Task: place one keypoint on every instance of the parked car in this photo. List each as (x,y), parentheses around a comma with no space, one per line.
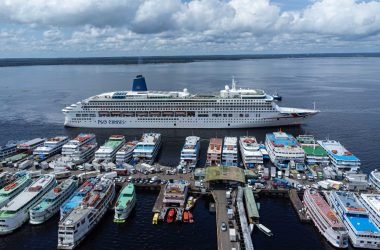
(223,227)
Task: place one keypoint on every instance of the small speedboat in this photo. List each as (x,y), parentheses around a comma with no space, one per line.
(277,97)
(170,216)
(185,217)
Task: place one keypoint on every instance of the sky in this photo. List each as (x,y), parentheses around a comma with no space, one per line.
(86,28)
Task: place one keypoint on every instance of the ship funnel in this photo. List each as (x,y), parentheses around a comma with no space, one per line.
(139,84)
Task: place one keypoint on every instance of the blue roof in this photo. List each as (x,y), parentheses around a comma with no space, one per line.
(344,157)
(289,140)
(362,224)
(77,197)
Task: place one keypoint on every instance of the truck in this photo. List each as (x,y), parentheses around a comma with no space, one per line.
(273,172)
(25,164)
(266,174)
(228,194)
(110,175)
(62,174)
(232,234)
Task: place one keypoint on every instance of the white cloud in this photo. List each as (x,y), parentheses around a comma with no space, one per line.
(191,26)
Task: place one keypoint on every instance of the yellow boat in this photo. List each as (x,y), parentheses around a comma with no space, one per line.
(155,218)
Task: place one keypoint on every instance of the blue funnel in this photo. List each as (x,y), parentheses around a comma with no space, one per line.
(139,84)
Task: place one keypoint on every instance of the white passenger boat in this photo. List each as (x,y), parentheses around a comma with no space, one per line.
(251,153)
(147,148)
(107,152)
(283,148)
(81,220)
(230,152)
(8,192)
(51,147)
(190,152)
(16,212)
(232,108)
(125,154)
(374,178)
(80,148)
(362,231)
(326,221)
(372,203)
(341,158)
(50,203)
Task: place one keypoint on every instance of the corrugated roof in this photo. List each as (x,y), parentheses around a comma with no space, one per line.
(250,203)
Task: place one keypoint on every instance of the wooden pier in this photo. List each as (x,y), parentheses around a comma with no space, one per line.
(298,205)
(157,208)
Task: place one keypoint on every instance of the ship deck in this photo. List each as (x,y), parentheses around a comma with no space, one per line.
(362,224)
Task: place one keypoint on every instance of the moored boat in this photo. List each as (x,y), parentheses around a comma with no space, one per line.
(171,215)
(328,224)
(16,212)
(81,220)
(125,203)
(147,148)
(49,204)
(185,216)
(8,192)
(190,203)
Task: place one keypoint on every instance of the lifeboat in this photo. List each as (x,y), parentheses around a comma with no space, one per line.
(170,216)
(57,190)
(10,186)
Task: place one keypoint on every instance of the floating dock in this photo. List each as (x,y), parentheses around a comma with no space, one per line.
(298,205)
(158,205)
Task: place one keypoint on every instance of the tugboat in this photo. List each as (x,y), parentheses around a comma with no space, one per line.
(277,97)
(171,215)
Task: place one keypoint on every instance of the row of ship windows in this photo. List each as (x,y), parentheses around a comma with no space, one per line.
(181,109)
(168,115)
(135,102)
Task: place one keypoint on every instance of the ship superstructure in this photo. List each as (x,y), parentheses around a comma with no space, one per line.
(362,231)
(190,152)
(147,148)
(232,108)
(230,152)
(107,152)
(51,147)
(214,152)
(283,148)
(340,157)
(250,150)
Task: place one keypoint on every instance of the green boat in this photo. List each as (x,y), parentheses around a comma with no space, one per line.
(14,188)
(125,203)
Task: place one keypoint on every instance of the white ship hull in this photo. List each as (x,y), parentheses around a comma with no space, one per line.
(183,122)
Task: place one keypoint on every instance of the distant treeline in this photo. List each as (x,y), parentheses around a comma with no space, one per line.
(9,62)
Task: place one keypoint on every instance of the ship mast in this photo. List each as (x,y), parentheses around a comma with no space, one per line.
(233,83)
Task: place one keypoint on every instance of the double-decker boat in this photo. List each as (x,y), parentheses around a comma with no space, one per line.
(125,203)
(324,218)
(232,108)
(340,157)
(372,203)
(16,212)
(314,153)
(147,148)
(30,145)
(214,152)
(125,154)
(283,148)
(8,192)
(50,203)
(51,147)
(81,220)
(80,148)
(190,152)
(230,152)
(362,231)
(77,197)
(107,152)
(250,150)
(374,178)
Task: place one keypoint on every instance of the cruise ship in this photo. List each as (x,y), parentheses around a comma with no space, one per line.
(77,197)
(340,157)
(314,153)
(80,221)
(232,108)
(8,192)
(107,152)
(190,152)
(214,152)
(372,203)
(250,150)
(230,152)
(125,153)
(147,148)
(374,179)
(49,204)
(283,148)
(16,212)
(51,147)
(328,224)
(125,203)
(80,148)
(361,230)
